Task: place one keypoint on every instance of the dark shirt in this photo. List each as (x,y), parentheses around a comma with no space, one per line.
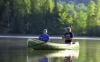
(68,35)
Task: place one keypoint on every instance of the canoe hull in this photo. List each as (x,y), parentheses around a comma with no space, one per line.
(39,45)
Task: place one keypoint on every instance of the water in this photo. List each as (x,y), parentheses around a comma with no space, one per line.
(15,50)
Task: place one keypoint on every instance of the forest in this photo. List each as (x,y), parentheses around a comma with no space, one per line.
(85,2)
(32,16)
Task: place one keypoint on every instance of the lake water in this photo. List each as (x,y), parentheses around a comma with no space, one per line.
(16,50)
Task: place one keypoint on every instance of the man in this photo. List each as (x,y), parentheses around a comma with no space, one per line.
(44,37)
(68,36)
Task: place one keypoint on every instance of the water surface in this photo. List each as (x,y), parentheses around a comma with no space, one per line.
(15,50)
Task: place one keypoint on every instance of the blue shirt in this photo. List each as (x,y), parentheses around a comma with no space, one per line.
(44,37)
(44,60)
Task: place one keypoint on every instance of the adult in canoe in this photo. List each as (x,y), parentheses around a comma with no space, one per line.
(68,36)
(44,37)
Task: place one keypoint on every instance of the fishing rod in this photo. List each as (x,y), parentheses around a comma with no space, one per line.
(51,27)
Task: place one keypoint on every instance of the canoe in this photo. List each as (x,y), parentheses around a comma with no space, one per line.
(40,45)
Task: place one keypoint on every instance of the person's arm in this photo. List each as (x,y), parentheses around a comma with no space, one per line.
(72,35)
(63,36)
(40,37)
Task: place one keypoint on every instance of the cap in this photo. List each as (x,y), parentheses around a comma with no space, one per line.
(45,30)
(68,28)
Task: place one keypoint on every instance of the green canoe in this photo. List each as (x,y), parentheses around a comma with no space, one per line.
(40,45)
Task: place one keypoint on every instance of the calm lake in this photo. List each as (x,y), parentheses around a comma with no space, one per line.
(15,49)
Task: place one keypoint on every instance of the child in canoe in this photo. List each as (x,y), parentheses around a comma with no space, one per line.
(68,36)
(44,37)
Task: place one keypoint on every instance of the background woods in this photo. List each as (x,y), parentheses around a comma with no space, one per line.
(32,16)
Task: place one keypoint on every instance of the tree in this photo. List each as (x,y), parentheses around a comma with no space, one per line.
(20,9)
(91,23)
(1,7)
(97,17)
(80,24)
(65,18)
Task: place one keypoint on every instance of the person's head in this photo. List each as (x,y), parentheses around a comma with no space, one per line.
(68,29)
(45,31)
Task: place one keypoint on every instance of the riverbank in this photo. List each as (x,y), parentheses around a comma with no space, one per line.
(51,37)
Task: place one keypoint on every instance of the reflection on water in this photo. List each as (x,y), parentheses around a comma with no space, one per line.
(53,56)
(89,51)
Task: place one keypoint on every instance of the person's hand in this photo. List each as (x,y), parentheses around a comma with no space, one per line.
(42,39)
(63,36)
(68,38)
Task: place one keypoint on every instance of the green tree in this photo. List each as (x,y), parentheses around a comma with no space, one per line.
(91,23)
(65,18)
(80,7)
(80,23)
(97,17)
(40,17)
(6,14)
(20,9)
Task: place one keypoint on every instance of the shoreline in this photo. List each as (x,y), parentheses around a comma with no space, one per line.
(39,34)
(51,37)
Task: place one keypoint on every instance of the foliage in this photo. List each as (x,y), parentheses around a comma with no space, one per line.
(32,16)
